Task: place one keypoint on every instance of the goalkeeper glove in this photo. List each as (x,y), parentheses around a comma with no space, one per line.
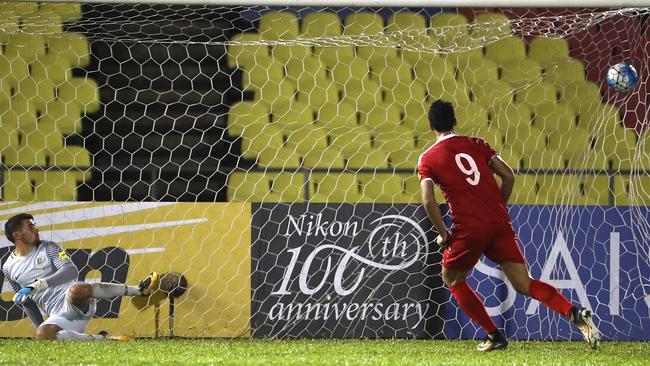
(23,294)
(26,292)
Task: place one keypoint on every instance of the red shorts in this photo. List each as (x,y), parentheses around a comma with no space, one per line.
(497,241)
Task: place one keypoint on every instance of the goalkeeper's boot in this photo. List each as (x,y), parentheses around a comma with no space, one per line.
(147,285)
(494,341)
(108,337)
(583,319)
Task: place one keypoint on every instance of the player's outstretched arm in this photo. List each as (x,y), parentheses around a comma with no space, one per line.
(504,171)
(433,211)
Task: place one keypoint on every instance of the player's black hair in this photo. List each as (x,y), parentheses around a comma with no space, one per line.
(14,224)
(441,116)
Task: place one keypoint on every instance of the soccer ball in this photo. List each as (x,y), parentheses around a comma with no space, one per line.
(622,77)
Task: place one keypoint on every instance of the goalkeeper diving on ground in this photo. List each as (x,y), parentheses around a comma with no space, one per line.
(464,168)
(45,282)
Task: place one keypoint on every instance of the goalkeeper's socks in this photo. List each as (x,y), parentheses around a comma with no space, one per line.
(472,306)
(105,290)
(71,335)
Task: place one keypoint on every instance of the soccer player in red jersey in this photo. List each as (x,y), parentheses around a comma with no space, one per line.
(464,167)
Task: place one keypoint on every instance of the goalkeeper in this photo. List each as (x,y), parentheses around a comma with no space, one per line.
(45,282)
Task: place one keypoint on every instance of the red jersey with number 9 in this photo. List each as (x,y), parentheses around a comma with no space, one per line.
(459,165)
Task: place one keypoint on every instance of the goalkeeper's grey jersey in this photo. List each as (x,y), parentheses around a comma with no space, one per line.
(45,259)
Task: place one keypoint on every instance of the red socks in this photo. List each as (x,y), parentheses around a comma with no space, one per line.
(550,296)
(472,306)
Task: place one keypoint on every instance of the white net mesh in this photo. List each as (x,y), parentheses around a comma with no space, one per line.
(328,106)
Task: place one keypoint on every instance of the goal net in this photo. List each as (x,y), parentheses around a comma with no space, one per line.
(127,128)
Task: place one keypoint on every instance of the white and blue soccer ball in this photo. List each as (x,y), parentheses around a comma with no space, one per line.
(622,77)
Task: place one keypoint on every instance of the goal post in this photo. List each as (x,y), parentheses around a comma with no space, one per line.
(267,152)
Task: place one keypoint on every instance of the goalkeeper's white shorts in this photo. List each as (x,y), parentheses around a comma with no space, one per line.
(70,317)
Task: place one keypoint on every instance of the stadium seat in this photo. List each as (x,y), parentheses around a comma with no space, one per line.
(73,47)
(526,190)
(272,93)
(367,23)
(420,48)
(405,21)
(364,95)
(520,73)
(25,46)
(337,117)
(321,24)
(450,90)
(356,69)
(278,157)
(262,73)
(594,190)
(464,57)
(416,116)
(71,156)
(292,116)
(64,118)
(380,188)
(44,137)
(330,56)
(363,23)
(490,26)
(307,139)
(80,90)
(245,115)
(351,141)
(399,139)
(265,187)
(305,71)
(561,189)
(333,188)
(17,186)
(632,190)
(571,145)
(278,25)
(370,159)
(287,52)
(391,72)
(581,96)
(41,23)
(324,91)
(552,117)
(37,92)
(470,117)
(18,8)
(600,118)
(19,113)
(8,137)
(412,192)
(493,93)
(536,94)
(25,156)
(450,29)
(592,160)
(542,158)
(565,72)
(51,67)
(511,48)
(435,69)
(382,118)
(477,71)
(254,143)
(404,159)
(66,11)
(245,56)
(54,185)
(493,136)
(325,158)
(548,49)
(511,115)
(402,94)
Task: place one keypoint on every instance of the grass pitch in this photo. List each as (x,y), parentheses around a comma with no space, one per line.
(316,352)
